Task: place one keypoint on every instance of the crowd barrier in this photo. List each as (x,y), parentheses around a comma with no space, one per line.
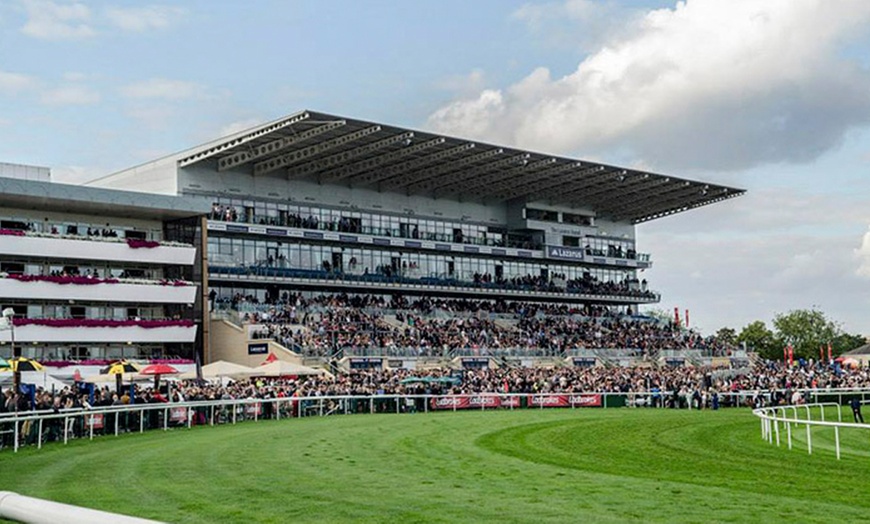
(34,428)
(793,416)
(40,511)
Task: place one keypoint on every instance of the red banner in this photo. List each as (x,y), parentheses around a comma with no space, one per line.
(585,401)
(254,409)
(564,401)
(449,403)
(510,402)
(178,415)
(470,402)
(495,401)
(548,401)
(96,420)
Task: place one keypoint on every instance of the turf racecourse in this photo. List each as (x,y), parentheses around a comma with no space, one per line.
(580,465)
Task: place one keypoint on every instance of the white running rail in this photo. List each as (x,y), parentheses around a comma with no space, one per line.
(39,511)
(776,420)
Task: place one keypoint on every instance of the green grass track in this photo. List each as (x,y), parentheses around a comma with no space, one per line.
(584,465)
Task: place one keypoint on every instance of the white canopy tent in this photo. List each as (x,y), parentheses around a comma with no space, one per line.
(280,368)
(218,369)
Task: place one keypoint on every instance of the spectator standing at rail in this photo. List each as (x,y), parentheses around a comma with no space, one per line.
(856,410)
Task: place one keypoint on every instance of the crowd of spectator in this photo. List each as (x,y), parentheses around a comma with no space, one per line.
(768,383)
(763,377)
(332,325)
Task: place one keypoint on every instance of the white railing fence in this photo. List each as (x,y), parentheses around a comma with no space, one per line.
(34,428)
(808,416)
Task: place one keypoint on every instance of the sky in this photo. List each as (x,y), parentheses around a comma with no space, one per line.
(772,96)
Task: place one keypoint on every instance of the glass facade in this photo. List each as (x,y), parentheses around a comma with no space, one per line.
(226,251)
(367,223)
(78,228)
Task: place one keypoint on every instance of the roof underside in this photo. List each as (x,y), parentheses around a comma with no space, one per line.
(337,150)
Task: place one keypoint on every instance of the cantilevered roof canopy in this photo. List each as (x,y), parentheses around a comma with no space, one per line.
(334,149)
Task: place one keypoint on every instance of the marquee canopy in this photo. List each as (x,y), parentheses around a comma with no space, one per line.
(337,150)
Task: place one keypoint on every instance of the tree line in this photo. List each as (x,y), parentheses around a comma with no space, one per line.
(806,330)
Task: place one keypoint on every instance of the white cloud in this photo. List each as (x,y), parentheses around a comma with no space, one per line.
(155,118)
(576,23)
(863,256)
(164,88)
(15,82)
(720,84)
(56,21)
(70,95)
(763,253)
(464,85)
(141,19)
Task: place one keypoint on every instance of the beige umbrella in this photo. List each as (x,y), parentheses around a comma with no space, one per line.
(279,368)
(221,368)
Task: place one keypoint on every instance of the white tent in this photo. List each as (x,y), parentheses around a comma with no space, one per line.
(106,378)
(40,379)
(221,368)
(279,368)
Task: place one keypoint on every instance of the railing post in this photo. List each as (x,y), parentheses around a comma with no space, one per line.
(837,440)
(39,438)
(92,427)
(117,417)
(165,419)
(65,430)
(787,427)
(776,427)
(15,444)
(142,420)
(809,439)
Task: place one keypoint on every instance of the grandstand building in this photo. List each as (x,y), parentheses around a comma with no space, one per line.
(91,274)
(317,203)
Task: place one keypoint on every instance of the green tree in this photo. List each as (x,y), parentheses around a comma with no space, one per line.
(806,330)
(727,335)
(846,342)
(760,339)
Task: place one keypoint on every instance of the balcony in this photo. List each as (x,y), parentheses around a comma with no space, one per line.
(19,243)
(377,283)
(361,239)
(96,290)
(75,331)
(591,256)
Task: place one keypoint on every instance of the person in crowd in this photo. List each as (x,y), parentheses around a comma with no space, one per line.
(856,410)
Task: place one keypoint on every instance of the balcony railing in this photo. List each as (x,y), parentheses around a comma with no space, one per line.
(83,330)
(32,244)
(400,283)
(45,287)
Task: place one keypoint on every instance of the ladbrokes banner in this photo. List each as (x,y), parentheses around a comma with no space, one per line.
(564,401)
(495,401)
(470,402)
